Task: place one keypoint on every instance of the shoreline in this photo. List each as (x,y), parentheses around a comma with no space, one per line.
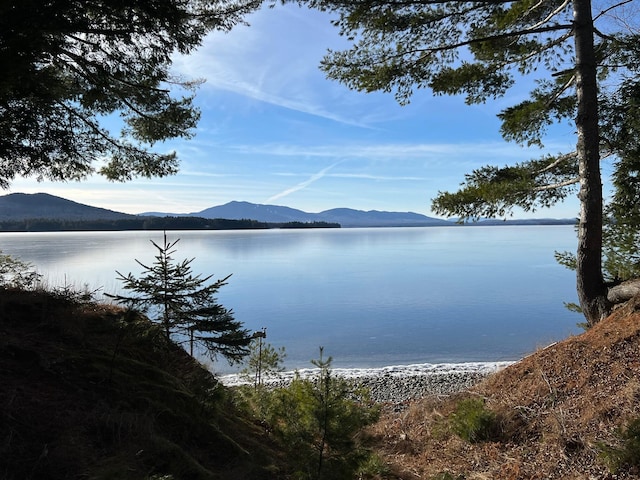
(395,384)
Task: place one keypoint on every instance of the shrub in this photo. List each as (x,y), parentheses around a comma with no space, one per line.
(447,476)
(373,467)
(473,422)
(627,454)
(319,423)
(14,273)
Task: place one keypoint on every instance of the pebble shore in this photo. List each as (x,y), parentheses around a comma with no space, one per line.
(398,385)
(398,389)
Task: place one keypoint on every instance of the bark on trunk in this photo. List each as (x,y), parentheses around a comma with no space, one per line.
(590,283)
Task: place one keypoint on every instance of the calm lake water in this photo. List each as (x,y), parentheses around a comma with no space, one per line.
(371,297)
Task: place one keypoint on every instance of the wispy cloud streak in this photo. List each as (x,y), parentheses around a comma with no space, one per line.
(260,63)
(393,150)
(302,185)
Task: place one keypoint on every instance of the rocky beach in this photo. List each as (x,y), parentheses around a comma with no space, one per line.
(395,384)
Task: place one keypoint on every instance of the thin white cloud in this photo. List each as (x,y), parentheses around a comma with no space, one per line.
(186,172)
(260,63)
(395,150)
(361,176)
(302,185)
(385,178)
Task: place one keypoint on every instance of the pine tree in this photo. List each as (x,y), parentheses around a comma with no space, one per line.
(184,305)
(68,65)
(264,360)
(320,421)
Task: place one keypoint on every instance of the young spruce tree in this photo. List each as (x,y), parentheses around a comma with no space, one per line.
(184,305)
(320,421)
(264,360)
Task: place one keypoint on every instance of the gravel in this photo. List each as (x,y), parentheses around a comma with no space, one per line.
(398,389)
(393,386)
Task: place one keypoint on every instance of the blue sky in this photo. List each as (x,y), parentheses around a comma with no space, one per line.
(274,130)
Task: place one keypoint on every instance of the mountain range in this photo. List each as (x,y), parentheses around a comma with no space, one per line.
(346,217)
(25,206)
(21,206)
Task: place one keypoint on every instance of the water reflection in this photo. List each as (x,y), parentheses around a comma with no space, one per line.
(369,296)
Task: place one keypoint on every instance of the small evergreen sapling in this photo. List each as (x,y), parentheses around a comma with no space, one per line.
(321,423)
(264,360)
(184,305)
(626,455)
(474,422)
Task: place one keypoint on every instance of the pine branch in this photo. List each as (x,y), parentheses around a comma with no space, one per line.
(555,186)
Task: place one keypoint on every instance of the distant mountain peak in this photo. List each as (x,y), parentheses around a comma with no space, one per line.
(346,217)
(24,206)
(21,206)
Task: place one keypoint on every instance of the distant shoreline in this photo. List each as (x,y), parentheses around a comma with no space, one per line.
(145,224)
(21,212)
(149,224)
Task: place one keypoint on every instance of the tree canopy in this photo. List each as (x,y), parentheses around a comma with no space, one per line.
(67,65)
(582,60)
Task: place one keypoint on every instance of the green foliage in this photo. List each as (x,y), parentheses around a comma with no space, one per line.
(14,273)
(320,424)
(402,47)
(185,305)
(372,467)
(527,122)
(568,260)
(473,79)
(622,226)
(627,454)
(495,191)
(473,422)
(68,65)
(448,476)
(621,251)
(78,295)
(621,246)
(263,360)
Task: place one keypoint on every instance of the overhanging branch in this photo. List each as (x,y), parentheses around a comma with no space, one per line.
(554,186)
(557,161)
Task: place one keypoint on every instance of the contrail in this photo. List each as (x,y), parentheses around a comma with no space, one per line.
(313,178)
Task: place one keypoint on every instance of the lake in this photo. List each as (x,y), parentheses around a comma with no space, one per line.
(371,297)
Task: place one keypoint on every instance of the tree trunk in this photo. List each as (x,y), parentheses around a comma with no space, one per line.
(590,283)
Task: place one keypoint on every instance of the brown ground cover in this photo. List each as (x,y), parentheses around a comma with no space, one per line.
(555,408)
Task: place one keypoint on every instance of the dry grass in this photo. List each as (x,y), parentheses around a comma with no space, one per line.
(555,407)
